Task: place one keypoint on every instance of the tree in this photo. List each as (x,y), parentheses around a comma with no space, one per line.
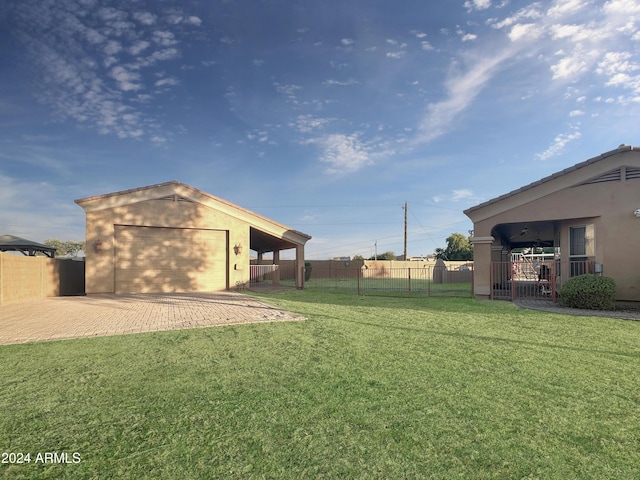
(385,256)
(357,257)
(68,247)
(458,248)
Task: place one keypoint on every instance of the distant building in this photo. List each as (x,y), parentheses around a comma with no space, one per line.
(418,258)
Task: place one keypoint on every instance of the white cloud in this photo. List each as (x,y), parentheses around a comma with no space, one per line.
(309,123)
(344,83)
(126,79)
(558,144)
(461,194)
(139,47)
(169,81)
(462,89)
(570,67)
(68,42)
(112,47)
(468,37)
(426,46)
(396,55)
(166,39)
(525,31)
(578,33)
(527,14)
(343,153)
(94,36)
(576,113)
(477,4)
(567,7)
(145,18)
(45,213)
(620,69)
(109,14)
(622,7)
(455,195)
(175,18)
(288,90)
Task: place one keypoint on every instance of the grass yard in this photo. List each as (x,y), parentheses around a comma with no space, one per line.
(368,387)
(387,286)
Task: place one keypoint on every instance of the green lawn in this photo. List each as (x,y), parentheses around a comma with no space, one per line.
(368,387)
(387,286)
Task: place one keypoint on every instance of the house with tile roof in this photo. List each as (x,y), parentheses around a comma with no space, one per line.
(588,215)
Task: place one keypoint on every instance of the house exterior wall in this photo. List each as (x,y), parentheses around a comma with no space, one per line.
(100,236)
(608,206)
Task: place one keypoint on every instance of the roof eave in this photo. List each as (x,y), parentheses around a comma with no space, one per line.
(620,149)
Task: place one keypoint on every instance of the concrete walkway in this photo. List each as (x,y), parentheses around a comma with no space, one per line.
(101,315)
(547,305)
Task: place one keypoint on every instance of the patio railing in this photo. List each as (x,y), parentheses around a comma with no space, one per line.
(525,279)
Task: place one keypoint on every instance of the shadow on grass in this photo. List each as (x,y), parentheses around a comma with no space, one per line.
(486,338)
(352,299)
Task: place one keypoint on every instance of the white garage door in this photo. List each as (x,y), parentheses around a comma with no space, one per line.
(156,260)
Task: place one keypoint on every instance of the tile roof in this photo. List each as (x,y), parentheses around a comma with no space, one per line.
(577,166)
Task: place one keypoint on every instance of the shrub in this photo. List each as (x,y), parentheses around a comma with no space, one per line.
(307,271)
(589,291)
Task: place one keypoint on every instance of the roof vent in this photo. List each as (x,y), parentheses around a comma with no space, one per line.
(622,145)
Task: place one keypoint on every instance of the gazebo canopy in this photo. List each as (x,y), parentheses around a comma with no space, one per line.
(10,243)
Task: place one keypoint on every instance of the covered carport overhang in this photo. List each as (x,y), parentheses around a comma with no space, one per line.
(537,234)
(262,241)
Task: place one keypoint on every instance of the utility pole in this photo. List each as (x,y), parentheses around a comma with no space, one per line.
(405,231)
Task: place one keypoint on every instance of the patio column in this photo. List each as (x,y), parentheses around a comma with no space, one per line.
(276,273)
(482,266)
(299,265)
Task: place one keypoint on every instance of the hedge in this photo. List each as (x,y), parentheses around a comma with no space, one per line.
(590,291)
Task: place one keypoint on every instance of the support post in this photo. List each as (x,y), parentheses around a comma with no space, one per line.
(482,266)
(300,267)
(275,276)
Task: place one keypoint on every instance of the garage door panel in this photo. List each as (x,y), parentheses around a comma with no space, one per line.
(152,259)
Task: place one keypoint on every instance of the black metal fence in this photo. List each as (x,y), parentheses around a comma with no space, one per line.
(427,281)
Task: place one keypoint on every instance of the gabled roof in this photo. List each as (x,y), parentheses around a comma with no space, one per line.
(182,192)
(11,243)
(566,171)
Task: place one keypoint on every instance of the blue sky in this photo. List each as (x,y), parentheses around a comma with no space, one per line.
(324,116)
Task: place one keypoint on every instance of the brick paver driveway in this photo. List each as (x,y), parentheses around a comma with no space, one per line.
(99,315)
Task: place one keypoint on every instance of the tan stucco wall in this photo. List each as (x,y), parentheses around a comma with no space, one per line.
(22,278)
(100,269)
(609,206)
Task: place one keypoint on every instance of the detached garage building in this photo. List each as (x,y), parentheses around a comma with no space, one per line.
(171,237)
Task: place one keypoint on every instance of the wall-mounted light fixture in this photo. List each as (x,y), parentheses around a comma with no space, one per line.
(637,213)
(237,249)
(97,246)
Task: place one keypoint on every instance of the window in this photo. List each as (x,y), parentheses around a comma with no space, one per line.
(577,241)
(581,248)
